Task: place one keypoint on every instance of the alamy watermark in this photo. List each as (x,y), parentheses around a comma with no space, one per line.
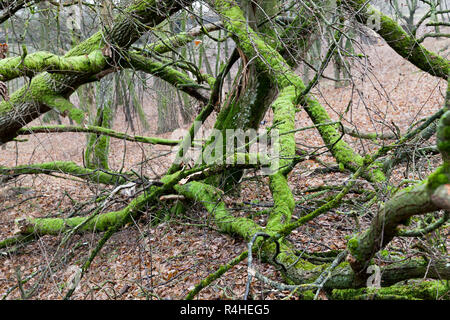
(229,147)
(374,21)
(73,21)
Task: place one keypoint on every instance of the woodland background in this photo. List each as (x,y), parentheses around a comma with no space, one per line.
(174,243)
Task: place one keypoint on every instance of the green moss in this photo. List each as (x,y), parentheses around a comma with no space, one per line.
(56,226)
(5,106)
(77,115)
(437,178)
(445,132)
(95,42)
(384,253)
(340,149)
(284,115)
(65,167)
(26,93)
(63,105)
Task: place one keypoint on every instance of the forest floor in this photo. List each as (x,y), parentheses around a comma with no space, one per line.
(166,261)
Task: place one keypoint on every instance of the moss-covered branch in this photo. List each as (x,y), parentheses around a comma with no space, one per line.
(216,275)
(354,132)
(26,105)
(96,130)
(430,195)
(99,222)
(64,167)
(181,39)
(419,232)
(37,62)
(396,211)
(167,73)
(269,60)
(63,106)
(299,270)
(405,45)
(342,152)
